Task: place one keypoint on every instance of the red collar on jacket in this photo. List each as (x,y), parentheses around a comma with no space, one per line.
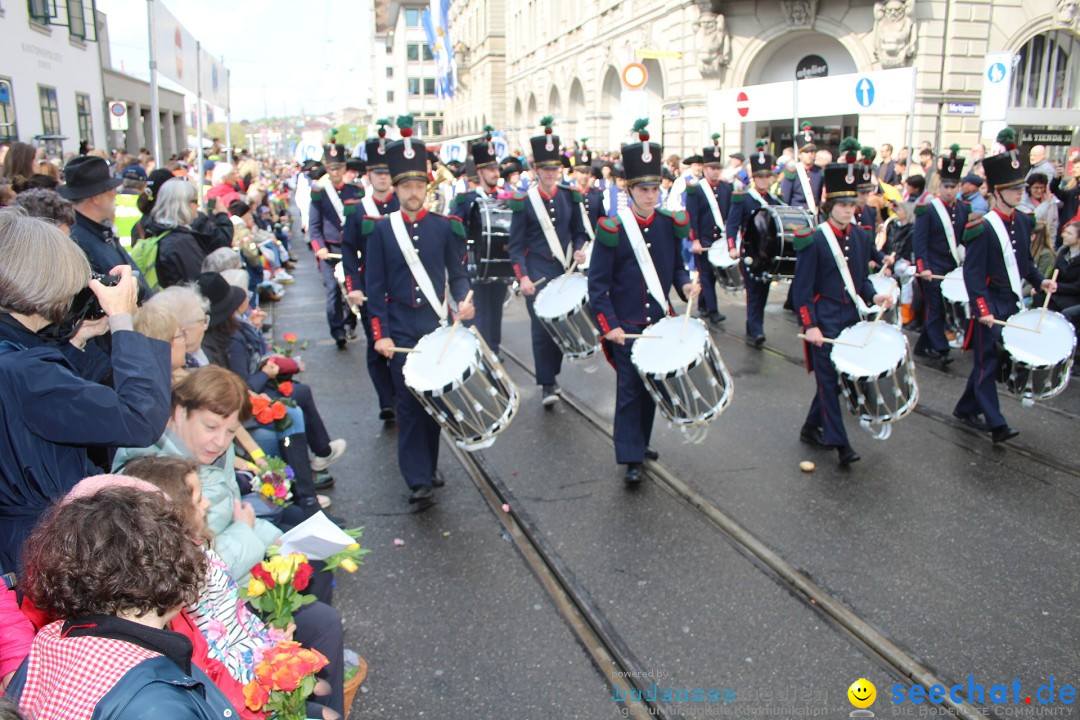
(545,195)
(837,230)
(1006,218)
(646,221)
(419,216)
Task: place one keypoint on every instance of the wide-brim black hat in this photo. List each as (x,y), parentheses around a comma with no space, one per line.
(87,176)
(225,299)
(356,165)
(509,167)
(693,159)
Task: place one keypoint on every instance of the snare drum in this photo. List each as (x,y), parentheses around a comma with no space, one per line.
(488,230)
(719,257)
(768,245)
(877,376)
(957,309)
(684,374)
(468,392)
(885,285)
(1037,365)
(563,309)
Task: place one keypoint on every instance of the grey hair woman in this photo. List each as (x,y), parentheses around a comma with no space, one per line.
(176,204)
(181,249)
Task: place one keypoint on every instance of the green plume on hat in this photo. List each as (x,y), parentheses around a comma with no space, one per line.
(382,122)
(954,149)
(760,144)
(488,128)
(849,147)
(333,134)
(404,121)
(1007,137)
(547,121)
(716,137)
(640,125)
(868,153)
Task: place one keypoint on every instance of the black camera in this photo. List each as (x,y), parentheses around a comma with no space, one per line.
(84,306)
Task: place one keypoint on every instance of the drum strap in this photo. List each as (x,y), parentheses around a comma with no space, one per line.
(950,230)
(332,195)
(419,272)
(370,208)
(644,258)
(545,225)
(845,271)
(1007,255)
(808,192)
(710,197)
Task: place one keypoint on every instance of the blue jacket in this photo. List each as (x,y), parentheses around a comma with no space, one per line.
(324,224)
(397,307)
(985,275)
(594,205)
(928,240)
(701,218)
(52,408)
(791,190)
(102,248)
(818,291)
(618,295)
(743,205)
(527,242)
(354,237)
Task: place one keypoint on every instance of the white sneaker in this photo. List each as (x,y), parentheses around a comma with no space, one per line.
(337,450)
(283,277)
(324,501)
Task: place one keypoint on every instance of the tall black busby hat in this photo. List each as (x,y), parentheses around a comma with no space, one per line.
(842,178)
(642,161)
(761,163)
(334,152)
(407,157)
(713,154)
(483,150)
(1003,170)
(545,148)
(952,166)
(375,148)
(807,130)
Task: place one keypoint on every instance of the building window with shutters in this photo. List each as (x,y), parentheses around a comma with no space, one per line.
(50,110)
(86,118)
(76,19)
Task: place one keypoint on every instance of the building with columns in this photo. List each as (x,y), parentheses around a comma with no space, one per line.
(568,60)
(478,32)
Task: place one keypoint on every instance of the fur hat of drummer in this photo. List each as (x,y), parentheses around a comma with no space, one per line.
(641,160)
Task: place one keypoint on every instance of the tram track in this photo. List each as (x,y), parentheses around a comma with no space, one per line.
(798,583)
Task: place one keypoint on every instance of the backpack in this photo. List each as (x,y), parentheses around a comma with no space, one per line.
(144,253)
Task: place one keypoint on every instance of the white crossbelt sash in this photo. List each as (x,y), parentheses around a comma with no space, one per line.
(585,221)
(710,197)
(808,192)
(401,234)
(335,199)
(370,208)
(1007,254)
(845,271)
(545,225)
(950,231)
(643,256)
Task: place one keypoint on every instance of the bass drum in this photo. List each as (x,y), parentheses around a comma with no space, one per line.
(768,245)
(488,232)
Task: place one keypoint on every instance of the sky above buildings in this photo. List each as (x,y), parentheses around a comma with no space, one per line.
(282,55)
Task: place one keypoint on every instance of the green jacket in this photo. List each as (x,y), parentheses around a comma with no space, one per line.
(240,545)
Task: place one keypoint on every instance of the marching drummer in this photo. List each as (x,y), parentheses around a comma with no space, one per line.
(412,256)
(488,294)
(545,230)
(379,202)
(802,180)
(997,257)
(939,225)
(830,290)
(743,205)
(708,204)
(628,292)
(331,202)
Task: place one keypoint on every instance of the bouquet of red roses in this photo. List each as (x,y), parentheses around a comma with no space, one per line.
(277,585)
(268,411)
(284,680)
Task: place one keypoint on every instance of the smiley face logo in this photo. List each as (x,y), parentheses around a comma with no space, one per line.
(862,693)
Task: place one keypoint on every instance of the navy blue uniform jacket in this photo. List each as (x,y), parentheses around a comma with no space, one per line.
(527,240)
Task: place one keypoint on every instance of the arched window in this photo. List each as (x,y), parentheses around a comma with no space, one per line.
(1046,72)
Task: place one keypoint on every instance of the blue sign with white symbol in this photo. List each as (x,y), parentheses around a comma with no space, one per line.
(864,92)
(5,92)
(996,73)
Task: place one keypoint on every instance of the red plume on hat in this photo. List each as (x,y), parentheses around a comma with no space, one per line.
(585,150)
(640,127)
(405,126)
(716,144)
(1007,138)
(849,148)
(382,123)
(546,122)
(487,137)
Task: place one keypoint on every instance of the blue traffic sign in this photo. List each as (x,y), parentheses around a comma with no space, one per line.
(864,92)
(5,92)
(996,73)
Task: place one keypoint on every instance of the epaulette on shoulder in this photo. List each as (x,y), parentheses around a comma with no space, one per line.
(922,208)
(682,224)
(738,197)
(804,238)
(789,174)
(367,225)
(517,202)
(973,230)
(962,201)
(577,196)
(459,199)
(316,192)
(456,226)
(607,231)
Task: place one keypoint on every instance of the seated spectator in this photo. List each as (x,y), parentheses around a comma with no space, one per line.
(16,633)
(47,205)
(180,249)
(1067,298)
(235,636)
(1039,201)
(223,190)
(1042,254)
(221,260)
(54,407)
(158,321)
(146,202)
(192,313)
(114,567)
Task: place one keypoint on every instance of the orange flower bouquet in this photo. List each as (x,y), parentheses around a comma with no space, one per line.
(284,680)
(268,411)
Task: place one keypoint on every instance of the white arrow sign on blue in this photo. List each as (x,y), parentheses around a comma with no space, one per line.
(996,73)
(864,92)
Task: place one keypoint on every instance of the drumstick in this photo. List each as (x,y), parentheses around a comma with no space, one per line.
(832,341)
(1046,302)
(689,306)
(404,350)
(333,256)
(457,321)
(881,311)
(1014,325)
(573,266)
(539,282)
(639,336)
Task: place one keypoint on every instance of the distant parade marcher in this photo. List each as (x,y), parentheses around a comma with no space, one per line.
(743,205)
(379,202)
(802,181)
(686,181)
(412,258)
(866,215)
(332,201)
(708,203)
(936,241)
(628,291)
(830,289)
(997,257)
(546,234)
(510,172)
(489,294)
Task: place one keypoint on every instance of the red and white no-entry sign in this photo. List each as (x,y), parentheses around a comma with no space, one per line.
(742,104)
